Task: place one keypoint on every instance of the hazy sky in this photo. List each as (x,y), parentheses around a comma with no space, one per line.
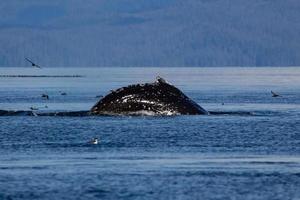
(150,32)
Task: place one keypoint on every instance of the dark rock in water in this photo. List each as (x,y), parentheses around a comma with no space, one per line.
(158,98)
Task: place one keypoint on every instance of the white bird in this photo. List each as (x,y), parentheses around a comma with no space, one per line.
(94,141)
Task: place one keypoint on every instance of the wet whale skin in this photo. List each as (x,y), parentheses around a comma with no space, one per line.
(158,98)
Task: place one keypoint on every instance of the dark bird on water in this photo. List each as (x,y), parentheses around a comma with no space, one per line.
(46,96)
(33,64)
(33,108)
(274,94)
(63,93)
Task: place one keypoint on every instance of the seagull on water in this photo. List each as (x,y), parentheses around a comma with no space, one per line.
(94,141)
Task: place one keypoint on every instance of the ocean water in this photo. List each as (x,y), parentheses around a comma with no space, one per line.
(253,152)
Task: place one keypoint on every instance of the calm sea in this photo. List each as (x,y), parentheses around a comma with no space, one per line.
(228,156)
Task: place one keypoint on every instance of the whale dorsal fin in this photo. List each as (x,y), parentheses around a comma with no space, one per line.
(160,80)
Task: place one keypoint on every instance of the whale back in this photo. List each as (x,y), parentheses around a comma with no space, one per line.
(158,98)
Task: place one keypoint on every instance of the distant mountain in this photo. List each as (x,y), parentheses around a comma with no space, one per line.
(150,32)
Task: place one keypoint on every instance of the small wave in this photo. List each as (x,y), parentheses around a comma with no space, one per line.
(32,113)
(239,113)
(23,167)
(66,114)
(247,113)
(141,113)
(16,113)
(41,76)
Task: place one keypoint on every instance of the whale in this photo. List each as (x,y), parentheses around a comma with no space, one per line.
(157,98)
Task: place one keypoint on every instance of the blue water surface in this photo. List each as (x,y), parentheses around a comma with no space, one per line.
(228,156)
